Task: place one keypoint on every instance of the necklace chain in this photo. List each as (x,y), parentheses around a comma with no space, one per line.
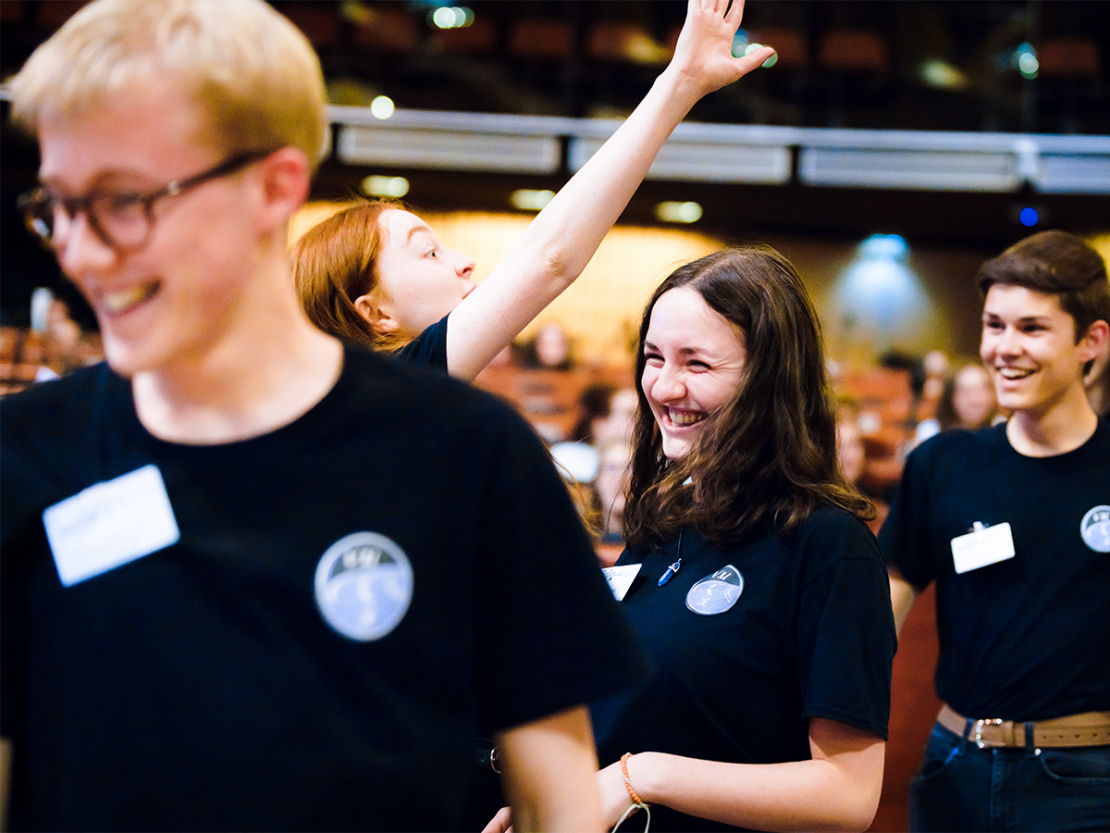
(674,568)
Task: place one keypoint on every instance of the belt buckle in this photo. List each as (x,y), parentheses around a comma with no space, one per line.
(977,729)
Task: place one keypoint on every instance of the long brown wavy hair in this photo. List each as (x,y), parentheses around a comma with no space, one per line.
(769,455)
(334,263)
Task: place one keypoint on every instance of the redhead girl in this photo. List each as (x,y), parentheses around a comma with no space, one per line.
(375,274)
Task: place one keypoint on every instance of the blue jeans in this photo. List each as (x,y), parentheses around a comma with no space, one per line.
(961,787)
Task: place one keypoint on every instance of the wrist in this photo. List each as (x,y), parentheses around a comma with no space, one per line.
(681,87)
(643,776)
(633,796)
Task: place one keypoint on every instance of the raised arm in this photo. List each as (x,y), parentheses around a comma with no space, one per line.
(548,768)
(838,789)
(559,243)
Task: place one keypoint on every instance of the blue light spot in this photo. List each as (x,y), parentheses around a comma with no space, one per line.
(1029,217)
(884,247)
(879,284)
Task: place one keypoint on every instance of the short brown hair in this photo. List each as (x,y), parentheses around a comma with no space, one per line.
(1056,263)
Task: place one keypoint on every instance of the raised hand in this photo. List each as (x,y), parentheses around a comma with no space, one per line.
(704,50)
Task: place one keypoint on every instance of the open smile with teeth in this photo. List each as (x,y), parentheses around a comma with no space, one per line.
(684,418)
(1014,373)
(118,302)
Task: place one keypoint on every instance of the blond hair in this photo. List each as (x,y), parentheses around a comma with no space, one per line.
(252,72)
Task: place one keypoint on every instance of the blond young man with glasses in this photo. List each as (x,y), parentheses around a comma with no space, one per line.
(235,595)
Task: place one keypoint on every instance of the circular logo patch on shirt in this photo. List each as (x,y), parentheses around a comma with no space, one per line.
(1095,529)
(716,593)
(364,586)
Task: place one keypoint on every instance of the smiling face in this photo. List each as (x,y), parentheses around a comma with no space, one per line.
(1030,349)
(174,300)
(694,361)
(419,281)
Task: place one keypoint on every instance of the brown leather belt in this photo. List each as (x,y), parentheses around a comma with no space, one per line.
(1087,729)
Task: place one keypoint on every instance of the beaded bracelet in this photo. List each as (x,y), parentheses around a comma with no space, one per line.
(628,784)
(637,802)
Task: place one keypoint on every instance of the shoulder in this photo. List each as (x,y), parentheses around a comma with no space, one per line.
(831,536)
(963,439)
(429,349)
(52,439)
(960,447)
(389,377)
(62,389)
(833,523)
(62,404)
(421,400)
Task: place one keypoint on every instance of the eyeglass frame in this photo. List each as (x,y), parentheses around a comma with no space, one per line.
(35,204)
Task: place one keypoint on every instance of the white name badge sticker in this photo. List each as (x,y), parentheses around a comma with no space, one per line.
(982,546)
(621,578)
(110,524)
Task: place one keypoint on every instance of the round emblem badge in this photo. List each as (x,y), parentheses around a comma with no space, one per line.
(364,586)
(1095,529)
(716,593)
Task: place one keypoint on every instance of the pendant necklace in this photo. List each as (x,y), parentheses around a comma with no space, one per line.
(674,568)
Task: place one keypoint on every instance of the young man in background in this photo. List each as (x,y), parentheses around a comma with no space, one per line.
(1013,524)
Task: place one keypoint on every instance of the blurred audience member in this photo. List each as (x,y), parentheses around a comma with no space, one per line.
(620,420)
(602,436)
(849,442)
(63,338)
(851,453)
(611,488)
(967,401)
(913,365)
(936,365)
(594,404)
(605,411)
(549,349)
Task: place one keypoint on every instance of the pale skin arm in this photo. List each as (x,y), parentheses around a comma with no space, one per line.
(548,769)
(559,243)
(837,790)
(902,596)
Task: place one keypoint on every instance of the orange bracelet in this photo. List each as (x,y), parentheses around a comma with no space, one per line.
(628,784)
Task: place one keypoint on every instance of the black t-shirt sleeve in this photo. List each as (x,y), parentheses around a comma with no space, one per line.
(429,349)
(904,535)
(846,636)
(555,637)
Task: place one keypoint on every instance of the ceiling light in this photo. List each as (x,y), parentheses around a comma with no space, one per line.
(526,199)
(385,186)
(678,212)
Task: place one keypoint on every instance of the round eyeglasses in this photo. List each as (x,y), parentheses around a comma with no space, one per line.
(122,220)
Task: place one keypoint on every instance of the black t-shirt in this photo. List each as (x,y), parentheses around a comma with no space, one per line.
(207,685)
(1024,638)
(429,349)
(809,633)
